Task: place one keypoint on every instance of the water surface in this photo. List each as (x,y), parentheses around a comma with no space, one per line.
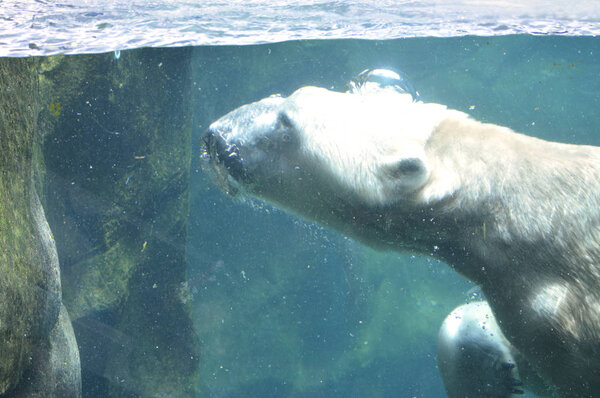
(37,27)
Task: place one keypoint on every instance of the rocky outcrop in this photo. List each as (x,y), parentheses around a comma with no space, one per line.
(106,144)
(117,166)
(37,345)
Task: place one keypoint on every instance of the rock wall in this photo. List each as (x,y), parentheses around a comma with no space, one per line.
(23,284)
(37,346)
(117,164)
(105,141)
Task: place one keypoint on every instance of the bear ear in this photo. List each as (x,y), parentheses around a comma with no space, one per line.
(406,174)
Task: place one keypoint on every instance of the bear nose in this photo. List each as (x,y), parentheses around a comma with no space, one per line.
(213,144)
(221,153)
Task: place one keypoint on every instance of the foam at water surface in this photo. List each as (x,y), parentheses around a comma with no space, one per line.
(42,27)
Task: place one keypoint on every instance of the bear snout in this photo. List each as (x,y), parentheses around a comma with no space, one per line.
(222,154)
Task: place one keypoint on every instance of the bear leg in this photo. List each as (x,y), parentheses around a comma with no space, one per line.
(474,357)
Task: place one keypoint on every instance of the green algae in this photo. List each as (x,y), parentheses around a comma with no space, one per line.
(23,284)
(117,164)
(114,185)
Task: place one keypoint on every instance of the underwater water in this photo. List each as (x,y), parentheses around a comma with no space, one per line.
(330,318)
(177,290)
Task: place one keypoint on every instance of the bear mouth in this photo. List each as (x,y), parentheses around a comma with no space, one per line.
(221,160)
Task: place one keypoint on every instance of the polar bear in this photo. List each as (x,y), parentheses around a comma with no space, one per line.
(517,215)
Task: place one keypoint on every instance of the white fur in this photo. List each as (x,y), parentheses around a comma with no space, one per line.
(363,132)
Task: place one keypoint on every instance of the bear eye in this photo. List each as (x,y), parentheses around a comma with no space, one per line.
(284,120)
(285,127)
(405,168)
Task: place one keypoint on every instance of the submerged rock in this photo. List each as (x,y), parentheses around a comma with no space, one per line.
(118,157)
(37,345)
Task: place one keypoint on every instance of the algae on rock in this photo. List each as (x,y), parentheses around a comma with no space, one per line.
(118,158)
(22,282)
(30,286)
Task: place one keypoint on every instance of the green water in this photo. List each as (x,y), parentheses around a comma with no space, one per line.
(176,290)
(299,311)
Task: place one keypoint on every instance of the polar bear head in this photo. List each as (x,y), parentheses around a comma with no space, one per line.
(319,150)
